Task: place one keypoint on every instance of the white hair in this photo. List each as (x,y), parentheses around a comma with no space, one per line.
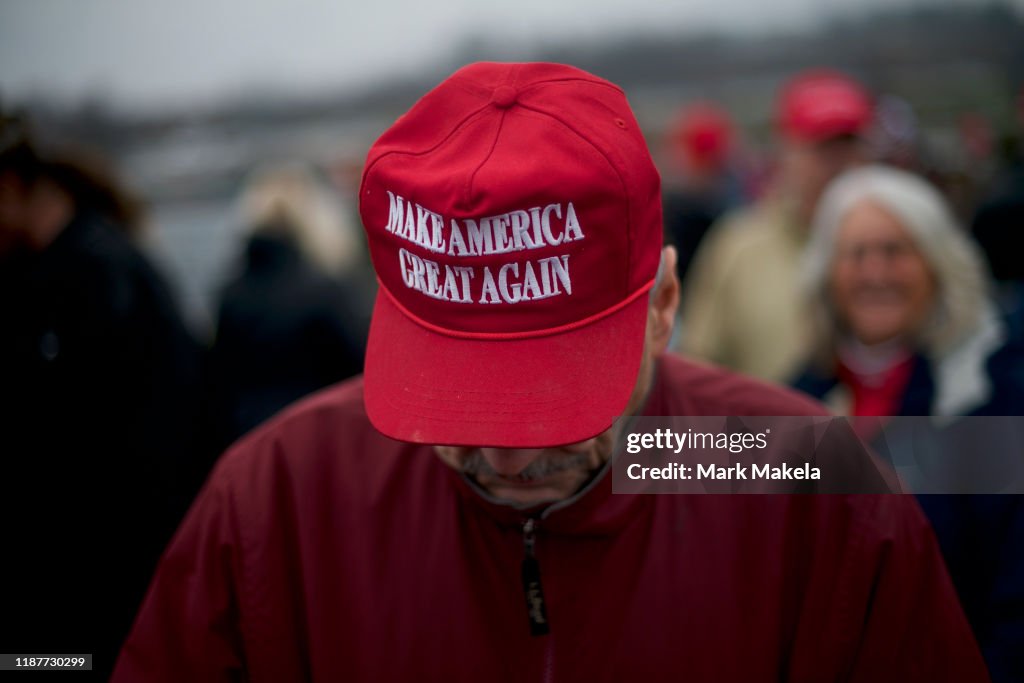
(961,304)
(289,197)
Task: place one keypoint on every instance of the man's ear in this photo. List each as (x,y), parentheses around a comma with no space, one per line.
(664,302)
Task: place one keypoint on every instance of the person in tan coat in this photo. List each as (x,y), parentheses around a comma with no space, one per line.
(741,305)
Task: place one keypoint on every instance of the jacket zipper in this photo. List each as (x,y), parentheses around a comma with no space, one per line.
(533,589)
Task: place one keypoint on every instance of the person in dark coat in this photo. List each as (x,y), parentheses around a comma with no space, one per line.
(99,388)
(291,320)
(701,141)
(998,226)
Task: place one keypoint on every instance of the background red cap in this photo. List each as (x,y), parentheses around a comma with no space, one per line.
(818,105)
(702,135)
(513,217)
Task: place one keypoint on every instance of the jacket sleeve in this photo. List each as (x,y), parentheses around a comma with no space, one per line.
(899,618)
(187,627)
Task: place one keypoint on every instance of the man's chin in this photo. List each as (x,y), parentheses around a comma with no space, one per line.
(533,493)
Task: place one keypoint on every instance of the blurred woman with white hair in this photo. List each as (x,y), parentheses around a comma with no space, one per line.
(903,325)
(902,320)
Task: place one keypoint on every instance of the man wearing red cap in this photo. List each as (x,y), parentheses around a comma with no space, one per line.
(450,517)
(742,306)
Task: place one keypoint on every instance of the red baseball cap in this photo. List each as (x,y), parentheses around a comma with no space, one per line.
(513,217)
(702,135)
(820,104)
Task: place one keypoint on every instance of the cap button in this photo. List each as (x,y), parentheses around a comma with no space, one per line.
(504,96)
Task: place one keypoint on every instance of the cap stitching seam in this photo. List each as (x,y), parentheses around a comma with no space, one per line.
(471,87)
(605,84)
(538,408)
(443,393)
(541,405)
(490,152)
(428,150)
(615,169)
(511,336)
(513,75)
(406,407)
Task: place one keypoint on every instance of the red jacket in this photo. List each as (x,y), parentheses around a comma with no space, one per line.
(321,550)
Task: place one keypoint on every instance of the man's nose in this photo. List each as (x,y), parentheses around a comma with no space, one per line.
(510,461)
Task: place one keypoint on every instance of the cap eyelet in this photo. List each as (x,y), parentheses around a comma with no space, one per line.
(620,123)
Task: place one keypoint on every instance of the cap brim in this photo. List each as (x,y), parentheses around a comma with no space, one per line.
(426,387)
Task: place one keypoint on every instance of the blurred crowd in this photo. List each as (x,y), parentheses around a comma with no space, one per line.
(114,410)
(839,262)
(858,275)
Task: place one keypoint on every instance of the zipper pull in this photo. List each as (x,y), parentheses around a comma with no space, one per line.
(532,587)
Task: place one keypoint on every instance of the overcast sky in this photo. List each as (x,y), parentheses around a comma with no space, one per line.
(145,54)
